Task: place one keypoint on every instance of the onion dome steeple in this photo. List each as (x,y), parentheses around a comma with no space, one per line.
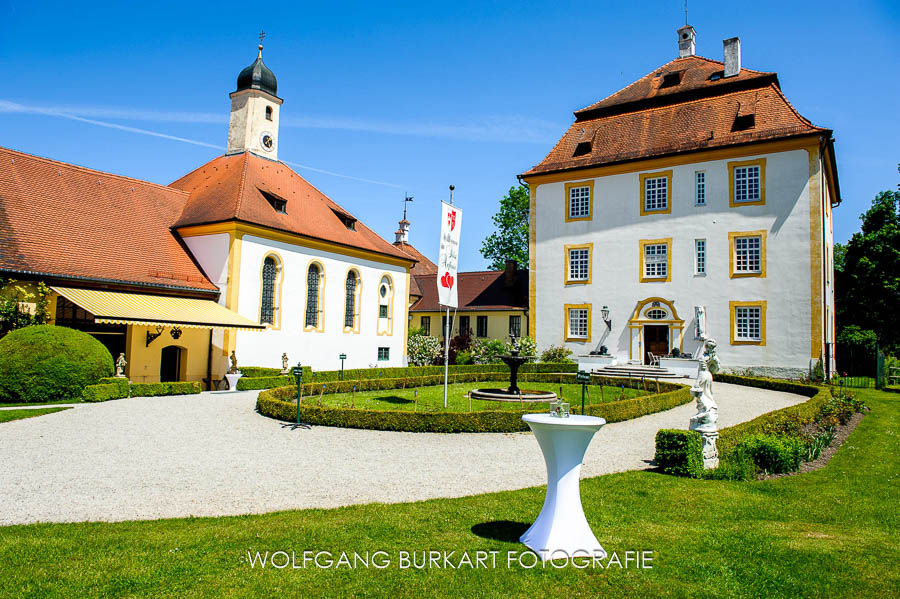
(258,76)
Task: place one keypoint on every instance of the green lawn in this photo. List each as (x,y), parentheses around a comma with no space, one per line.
(432,398)
(43,403)
(9,415)
(830,533)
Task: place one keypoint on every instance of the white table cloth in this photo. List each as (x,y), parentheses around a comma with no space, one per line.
(561,527)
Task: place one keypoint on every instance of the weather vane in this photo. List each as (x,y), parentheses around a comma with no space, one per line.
(262,34)
(408,198)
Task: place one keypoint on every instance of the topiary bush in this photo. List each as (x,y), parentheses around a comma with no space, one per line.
(772,454)
(679,452)
(48,363)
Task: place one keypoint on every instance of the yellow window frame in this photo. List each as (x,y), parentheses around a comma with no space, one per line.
(761,163)
(732,310)
(656,175)
(641,273)
(568,257)
(732,274)
(566,335)
(568,187)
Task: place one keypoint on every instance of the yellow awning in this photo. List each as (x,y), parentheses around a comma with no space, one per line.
(113,307)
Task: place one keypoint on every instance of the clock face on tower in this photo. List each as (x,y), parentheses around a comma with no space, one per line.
(267,141)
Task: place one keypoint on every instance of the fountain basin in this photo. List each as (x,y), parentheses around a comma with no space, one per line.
(519,396)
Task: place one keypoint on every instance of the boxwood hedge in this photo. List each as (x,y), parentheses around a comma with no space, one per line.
(117,388)
(679,452)
(280,403)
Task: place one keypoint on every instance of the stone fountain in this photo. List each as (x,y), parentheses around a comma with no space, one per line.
(513,393)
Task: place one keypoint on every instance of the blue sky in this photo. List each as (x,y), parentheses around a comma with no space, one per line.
(412,97)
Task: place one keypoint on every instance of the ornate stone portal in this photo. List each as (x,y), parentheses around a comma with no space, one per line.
(705,421)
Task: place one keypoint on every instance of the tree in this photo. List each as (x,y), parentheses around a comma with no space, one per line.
(867,277)
(510,239)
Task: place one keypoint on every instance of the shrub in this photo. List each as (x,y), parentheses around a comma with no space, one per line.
(488,351)
(280,403)
(258,371)
(264,382)
(157,389)
(556,353)
(774,454)
(47,363)
(423,350)
(679,452)
(122,383)
(464,358)
(104,392)
(736,464)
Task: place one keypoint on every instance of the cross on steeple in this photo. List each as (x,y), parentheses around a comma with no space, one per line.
(262,34)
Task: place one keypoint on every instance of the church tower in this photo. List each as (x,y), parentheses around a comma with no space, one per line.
(253,125)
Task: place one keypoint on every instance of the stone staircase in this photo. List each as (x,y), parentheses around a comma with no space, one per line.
(636,371)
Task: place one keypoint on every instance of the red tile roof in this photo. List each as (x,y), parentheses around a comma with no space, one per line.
(232,187)
(423,266)
(647,119)
(62,220)
(483,290)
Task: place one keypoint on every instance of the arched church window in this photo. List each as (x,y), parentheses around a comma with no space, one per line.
(268,113)
(267,303)
(350,301)
(312,296)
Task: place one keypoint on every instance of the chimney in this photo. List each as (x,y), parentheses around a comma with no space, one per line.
(686,37)
(402,235)
(509,273)
(732,56)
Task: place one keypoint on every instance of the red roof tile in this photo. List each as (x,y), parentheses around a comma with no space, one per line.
(232,187)
(58,219)
(483,290)
(423,266)
(646,120)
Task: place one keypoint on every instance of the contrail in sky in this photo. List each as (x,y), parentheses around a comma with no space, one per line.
(7,106)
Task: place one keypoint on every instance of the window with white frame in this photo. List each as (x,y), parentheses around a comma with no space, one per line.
(700,188)
(747,254)
(748,323)
(656,257)
(578,323)
(579,202)
(746,183)
(579,264)
(699,256)
(656,195)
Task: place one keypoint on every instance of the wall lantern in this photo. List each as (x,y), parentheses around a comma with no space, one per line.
(604,314)
(151,337)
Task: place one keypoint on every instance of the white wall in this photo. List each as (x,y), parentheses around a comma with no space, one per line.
(617,227)
(318,349)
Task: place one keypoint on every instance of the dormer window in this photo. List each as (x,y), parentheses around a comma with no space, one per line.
(345,218)
(278,204)
(582,149)
(743,122)
(268,113)
(671,79)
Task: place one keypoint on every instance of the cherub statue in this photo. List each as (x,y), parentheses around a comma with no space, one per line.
(234,364)
(120,365)
(707,411)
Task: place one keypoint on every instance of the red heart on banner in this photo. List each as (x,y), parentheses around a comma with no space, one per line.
(447,280)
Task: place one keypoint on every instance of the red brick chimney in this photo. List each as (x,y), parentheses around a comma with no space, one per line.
(509,274)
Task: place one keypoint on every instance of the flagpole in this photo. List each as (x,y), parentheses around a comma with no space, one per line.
(446,354)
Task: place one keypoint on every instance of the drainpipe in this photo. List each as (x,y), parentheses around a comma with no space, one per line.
(209,381)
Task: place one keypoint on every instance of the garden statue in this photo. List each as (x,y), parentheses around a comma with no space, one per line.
(707,416)
(234,365)
(285,369)
(713,359)
(120,365)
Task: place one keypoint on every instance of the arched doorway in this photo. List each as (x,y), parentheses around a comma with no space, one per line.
(170,361)
(655,328)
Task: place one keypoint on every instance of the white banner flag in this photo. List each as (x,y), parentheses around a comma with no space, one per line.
(451,222)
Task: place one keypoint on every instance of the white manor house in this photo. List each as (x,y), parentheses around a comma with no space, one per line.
(695,201)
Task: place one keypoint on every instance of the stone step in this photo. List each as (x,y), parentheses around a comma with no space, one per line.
(635,371)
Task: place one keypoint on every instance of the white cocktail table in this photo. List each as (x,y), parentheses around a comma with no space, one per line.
(561,527)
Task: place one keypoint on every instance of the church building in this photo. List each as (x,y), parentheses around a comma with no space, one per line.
(241,254)
(695,202)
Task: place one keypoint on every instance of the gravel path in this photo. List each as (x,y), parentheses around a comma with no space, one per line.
(212,455)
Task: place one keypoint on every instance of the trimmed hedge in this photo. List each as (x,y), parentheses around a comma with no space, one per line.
(772,454)
(103,392)
(48,363)
(122,383)
(280,403)
(157,389)
(679,452)
(259,371)
(324,376)
(263,382)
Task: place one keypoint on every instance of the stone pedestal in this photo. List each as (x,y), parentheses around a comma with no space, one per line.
(232,380)
(710,453)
